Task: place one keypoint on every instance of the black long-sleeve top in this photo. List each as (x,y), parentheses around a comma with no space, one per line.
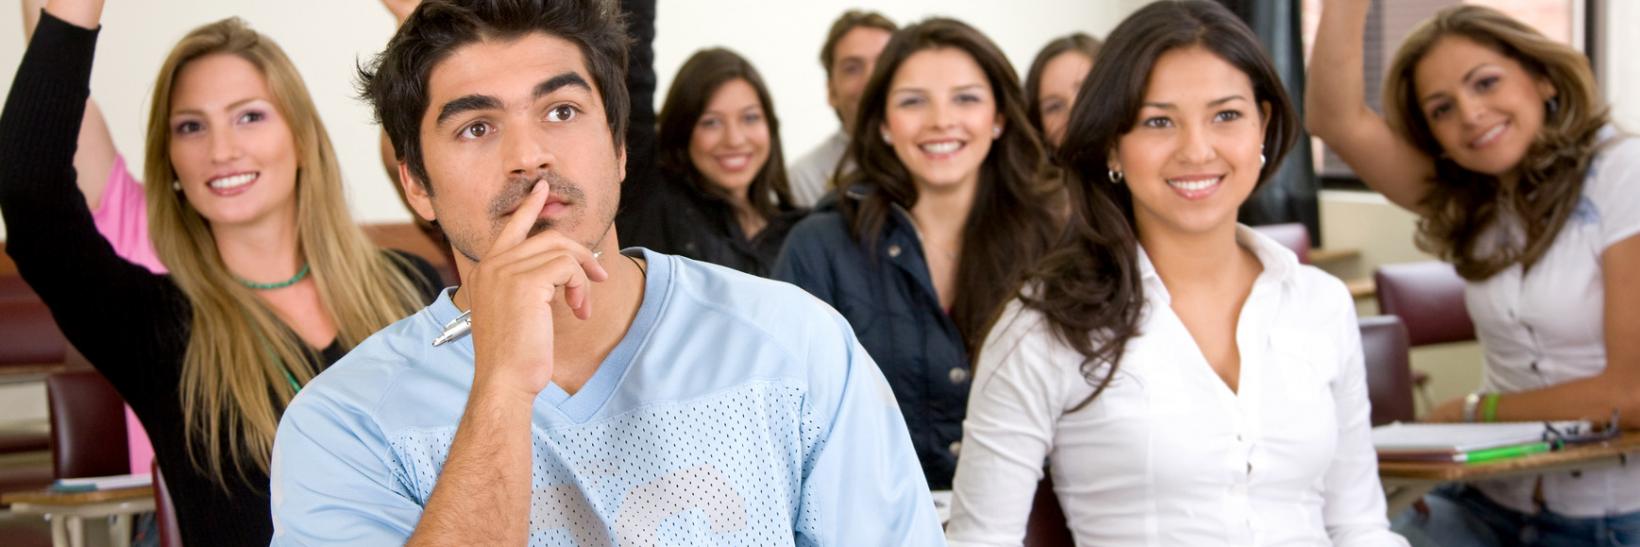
(131,324)
(663,211)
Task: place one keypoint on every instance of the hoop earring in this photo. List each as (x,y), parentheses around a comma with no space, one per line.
(1115,176)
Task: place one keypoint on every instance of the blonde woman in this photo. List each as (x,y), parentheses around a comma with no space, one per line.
(270,279)
(1497,137)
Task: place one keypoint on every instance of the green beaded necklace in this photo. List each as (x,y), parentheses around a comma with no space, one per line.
(300,275)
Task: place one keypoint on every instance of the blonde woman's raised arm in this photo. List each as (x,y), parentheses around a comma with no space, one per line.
(94,159)
(1336,110)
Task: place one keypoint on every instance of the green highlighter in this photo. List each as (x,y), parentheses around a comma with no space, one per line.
(1503,452)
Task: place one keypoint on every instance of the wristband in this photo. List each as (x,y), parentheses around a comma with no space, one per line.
(1489,408)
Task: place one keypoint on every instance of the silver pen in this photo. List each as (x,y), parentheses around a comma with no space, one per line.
(462,325)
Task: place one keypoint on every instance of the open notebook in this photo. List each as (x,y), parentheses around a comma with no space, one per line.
(113,482)
(1403,441)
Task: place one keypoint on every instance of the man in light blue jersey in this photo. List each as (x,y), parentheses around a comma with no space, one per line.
(603,397)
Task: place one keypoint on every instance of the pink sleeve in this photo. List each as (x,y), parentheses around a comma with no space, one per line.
(122,218)
(142,453)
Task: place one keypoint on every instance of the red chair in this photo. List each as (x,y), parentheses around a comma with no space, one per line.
(87,426)
(1046,526)
(1389,370)
(1291,235)
(164,511)
(1428,297)
(28,333)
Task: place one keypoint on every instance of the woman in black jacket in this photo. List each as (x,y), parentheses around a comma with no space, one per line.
(721,196)
(953,199)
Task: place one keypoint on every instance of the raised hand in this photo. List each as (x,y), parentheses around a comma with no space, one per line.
(512,291)
(401,8)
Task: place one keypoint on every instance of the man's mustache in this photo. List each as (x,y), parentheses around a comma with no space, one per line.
(518,188)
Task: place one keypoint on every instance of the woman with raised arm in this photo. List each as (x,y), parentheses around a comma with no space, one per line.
(1498,138)
(270,278)
(1187,381)
(952,201)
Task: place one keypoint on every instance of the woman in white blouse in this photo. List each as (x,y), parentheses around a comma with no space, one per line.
(1186,380)
(1498,138)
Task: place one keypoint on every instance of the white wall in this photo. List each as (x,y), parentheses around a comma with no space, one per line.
(323,37)
(1620,72)
(326,37)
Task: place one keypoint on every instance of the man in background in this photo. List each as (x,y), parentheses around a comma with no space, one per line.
(849,56)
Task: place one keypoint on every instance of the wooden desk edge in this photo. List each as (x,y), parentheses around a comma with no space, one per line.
(48,497)
(1454,471)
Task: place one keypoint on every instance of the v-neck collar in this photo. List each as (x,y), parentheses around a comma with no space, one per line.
(1280,269)
(586,402)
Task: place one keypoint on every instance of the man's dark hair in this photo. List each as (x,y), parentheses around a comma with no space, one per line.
(848,21)
(395,83)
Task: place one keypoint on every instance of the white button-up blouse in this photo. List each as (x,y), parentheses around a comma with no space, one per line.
(1168,454)
(1547,326)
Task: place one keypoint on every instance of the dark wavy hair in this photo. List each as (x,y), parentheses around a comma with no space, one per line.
(395,82)
(1077,42)
(1017,206)
(700,78)
(1461,204)
(1090,290)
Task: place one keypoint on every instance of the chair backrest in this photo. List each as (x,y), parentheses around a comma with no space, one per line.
(1291,235)
(87,426)
(1428,297)
(28,334)
(13,286)
(164,512)
(1046,526)
(1389,371)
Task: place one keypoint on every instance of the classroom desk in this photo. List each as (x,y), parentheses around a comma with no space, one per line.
(68,511)
(1407,482)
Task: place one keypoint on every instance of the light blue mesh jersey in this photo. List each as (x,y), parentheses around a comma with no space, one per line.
(736,411)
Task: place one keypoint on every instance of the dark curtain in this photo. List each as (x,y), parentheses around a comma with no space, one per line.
(1289,196)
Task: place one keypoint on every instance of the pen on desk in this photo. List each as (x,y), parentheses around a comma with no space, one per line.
(463,324)
(1501,453)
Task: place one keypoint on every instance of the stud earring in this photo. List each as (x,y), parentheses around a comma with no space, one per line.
(1115,176)
(1261,160)
(887,140)
(176,186)
(996,132)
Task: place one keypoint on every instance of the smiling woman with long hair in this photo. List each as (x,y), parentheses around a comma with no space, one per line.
(270,280)
(1497,137)
(722,196)
(953,198)
(1186,379)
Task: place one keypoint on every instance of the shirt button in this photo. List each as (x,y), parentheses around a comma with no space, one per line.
(893,251)
(959,375)
(955,447)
